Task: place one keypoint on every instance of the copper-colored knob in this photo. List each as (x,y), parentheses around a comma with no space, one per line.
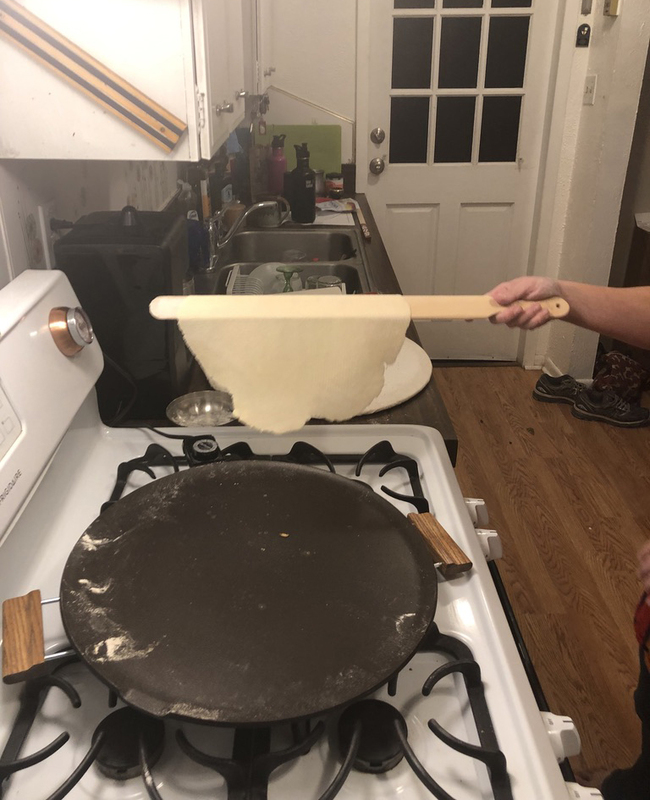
(70,329)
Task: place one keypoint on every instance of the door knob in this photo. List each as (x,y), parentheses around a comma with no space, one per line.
(377,166)
(226,108)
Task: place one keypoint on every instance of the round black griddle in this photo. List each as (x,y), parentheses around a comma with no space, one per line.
(248,593)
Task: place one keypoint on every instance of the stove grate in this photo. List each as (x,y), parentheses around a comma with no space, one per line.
(199,450)
(31,700)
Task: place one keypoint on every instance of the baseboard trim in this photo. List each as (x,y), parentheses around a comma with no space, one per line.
(471,363)
(551,368)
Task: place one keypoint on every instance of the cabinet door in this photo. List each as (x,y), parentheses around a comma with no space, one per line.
(236,50)
(218,35)
(265,45)
(145,42)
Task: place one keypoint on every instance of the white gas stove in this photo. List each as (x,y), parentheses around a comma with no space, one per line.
(58,467)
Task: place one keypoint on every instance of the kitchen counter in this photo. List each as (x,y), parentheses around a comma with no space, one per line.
(427,407)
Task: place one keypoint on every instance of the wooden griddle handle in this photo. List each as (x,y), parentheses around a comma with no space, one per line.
(452,560)
(23,648)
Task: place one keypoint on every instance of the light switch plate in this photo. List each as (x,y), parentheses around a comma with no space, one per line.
(612,8)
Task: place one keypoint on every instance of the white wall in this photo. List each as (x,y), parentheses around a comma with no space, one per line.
(77,188)
(585,174)
(314,55)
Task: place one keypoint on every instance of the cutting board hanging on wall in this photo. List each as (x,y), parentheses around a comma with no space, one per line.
(324,142)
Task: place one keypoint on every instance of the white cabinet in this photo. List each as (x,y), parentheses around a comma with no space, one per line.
(266,67)
(187,56)
(219,40)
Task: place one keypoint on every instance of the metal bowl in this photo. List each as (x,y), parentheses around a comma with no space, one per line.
(201,409)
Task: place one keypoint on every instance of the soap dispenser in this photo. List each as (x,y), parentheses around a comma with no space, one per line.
(303,187)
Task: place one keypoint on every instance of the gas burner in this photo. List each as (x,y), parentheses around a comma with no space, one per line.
(125,732)
(380,749)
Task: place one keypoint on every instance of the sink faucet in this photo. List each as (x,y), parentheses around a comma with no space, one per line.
(219,239)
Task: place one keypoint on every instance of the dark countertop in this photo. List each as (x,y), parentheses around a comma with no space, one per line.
(427,407)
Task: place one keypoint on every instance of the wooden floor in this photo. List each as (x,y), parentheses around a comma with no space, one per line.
(571,500)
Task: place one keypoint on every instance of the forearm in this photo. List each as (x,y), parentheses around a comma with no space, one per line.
(623,314)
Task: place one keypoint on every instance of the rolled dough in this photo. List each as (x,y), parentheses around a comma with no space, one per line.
(285,360)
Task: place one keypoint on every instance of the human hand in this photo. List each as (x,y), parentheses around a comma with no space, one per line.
(526,288)
(644,569)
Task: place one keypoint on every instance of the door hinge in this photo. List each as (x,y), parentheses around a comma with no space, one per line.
(200,107)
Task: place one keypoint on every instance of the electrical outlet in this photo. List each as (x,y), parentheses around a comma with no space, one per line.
(45,213)
(589,96)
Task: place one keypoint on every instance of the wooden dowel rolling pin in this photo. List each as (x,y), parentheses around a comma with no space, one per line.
(423,307)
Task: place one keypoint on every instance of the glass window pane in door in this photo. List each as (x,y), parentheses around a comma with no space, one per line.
(506,56)
(412,52)
(414,3)
(512,3)
(500,128)
(462,3)
(460,40)
(409,130)
(454,129)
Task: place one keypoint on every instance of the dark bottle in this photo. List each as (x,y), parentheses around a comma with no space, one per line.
(303,187)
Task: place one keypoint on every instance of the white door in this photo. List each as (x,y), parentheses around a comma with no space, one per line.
(459,90)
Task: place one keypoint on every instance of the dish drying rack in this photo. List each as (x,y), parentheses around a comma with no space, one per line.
(236,283)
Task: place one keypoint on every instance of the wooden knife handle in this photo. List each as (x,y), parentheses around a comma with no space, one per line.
(23,648)
(452,560)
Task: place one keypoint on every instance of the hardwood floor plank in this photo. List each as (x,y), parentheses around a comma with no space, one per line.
(571,501)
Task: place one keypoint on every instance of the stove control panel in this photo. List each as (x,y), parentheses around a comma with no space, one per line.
(10,427)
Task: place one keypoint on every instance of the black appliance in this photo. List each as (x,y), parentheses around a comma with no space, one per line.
(117,262)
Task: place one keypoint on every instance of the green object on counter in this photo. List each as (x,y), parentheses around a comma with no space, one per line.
(324,144)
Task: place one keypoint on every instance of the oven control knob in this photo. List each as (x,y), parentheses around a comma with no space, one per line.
(477,511)
(563,734)
(70,329)
(490,543)
(577,792)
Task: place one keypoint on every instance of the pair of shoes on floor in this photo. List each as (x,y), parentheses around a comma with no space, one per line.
(589,404)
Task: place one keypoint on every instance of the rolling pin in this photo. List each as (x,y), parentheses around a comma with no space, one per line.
(423,307)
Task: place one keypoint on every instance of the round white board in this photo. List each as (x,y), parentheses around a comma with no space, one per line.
(404,378)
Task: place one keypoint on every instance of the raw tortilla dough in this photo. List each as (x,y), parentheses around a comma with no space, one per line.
(285,360)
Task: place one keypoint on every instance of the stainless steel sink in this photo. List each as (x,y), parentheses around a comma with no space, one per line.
(352,275)
(328,252)
(272,245)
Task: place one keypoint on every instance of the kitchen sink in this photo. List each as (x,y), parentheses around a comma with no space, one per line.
(352,275)
(327,252)
(273,245)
